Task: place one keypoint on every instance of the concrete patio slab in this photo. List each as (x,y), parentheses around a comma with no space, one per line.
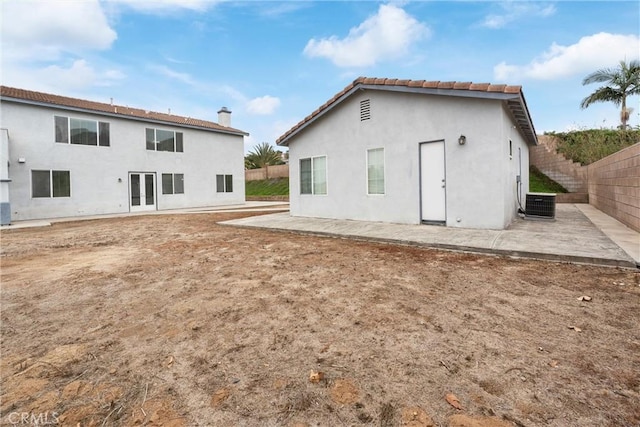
(570,237)
(250,206)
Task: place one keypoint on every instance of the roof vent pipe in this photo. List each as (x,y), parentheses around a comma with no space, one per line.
(224,117)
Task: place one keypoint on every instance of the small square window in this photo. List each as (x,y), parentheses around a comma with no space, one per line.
(224,183)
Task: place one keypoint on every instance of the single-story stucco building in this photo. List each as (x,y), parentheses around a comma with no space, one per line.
(65,157)
(413,151)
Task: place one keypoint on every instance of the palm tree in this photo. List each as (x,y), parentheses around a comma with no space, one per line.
(622,82)
(261,156)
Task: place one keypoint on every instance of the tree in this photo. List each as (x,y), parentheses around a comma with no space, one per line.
(261,156)
(622,82)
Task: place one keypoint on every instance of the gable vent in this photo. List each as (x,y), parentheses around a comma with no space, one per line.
(365,110)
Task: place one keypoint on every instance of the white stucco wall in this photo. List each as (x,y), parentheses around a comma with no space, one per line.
(518,164)
(480,177)
(99,175)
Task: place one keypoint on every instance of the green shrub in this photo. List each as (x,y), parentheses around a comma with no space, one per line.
(588,146)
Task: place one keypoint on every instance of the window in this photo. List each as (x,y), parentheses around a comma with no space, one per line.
(313,175)
(365,110)
(164,140)
(44,181)
(81,131)
(224,183)
(510,149)
(172,183)
(375,171)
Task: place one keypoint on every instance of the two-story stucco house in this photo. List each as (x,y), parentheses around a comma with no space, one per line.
(413,151)
(66,157)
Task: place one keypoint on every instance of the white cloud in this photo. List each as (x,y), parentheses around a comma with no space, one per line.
(78,76)
(264,105)
(43,42)
(387,35)
(44,30)
(514,10)
(590,53)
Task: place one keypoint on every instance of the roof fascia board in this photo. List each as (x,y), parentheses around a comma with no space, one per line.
(119,116)
(465,93)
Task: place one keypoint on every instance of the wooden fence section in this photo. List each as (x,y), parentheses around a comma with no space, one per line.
(614,186)
(276,171)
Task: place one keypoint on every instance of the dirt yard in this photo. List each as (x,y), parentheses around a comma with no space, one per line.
(178,321)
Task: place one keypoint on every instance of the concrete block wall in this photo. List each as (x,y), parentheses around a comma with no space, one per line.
(572,176)
(276,171)
(614,186)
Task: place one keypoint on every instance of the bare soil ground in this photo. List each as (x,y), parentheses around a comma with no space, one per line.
(175,320)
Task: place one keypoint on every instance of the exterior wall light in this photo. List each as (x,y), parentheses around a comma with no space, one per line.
(462,140)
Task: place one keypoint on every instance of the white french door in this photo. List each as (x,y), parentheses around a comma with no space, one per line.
(142,191)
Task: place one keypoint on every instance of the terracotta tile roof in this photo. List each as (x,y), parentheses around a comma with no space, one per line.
(515,103)
(28,96)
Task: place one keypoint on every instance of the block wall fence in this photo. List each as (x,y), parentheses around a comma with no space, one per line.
(614,186)
(276,171)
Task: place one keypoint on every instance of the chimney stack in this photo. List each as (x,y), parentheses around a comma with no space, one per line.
(224,117)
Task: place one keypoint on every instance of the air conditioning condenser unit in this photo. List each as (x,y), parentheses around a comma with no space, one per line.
(540,206)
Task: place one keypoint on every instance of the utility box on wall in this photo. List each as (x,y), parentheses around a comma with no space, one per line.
(540,206)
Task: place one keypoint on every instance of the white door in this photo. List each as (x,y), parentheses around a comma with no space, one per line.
(142,191)
(432,182)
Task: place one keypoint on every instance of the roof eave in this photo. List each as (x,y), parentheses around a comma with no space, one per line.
(237,132)
(520,114)
(524,123)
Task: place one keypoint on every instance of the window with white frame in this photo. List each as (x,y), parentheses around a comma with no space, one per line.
(375,171)
(313,175)
(164,140)
(172,183)
(70,130)
(50,183)
(224,183)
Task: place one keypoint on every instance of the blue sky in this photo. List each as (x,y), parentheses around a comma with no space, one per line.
(273,63)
